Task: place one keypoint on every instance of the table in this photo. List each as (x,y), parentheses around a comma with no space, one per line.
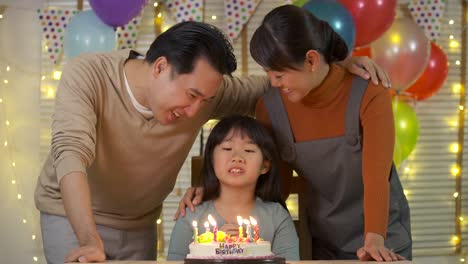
(288,262)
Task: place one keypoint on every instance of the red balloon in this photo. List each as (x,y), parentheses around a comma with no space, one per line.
(362,51)
(371,18)
(433,77)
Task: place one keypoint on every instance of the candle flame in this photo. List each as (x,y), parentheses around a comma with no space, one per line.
(211,220)
(207,225)
(253,221)
(194,223)
(247,222)
(239,220)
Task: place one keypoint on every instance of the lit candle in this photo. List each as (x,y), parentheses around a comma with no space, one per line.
(248,231)
(255,228)
(207,227)
(195,231)
(215,228)
(241,230)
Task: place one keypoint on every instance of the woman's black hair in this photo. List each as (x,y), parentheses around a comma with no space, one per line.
(287,33)
(268,186)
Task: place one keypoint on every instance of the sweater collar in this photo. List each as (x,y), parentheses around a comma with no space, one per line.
(324,94)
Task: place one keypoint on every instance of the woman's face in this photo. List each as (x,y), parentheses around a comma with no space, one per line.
(295,84)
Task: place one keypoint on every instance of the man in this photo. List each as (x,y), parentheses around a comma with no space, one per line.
(122,128)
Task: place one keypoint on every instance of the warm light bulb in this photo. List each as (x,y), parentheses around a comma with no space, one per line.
(451,22)
(33,237)
(7,123)
(8,68)
(13,182)
(454,44)
(454,148)
(456,88)
(50,92)
(407,169)
(5,143)
(155,4)
(461,218)
(5,81)
(455,239)
(19,196)
(455,170)
(159,221)
(461,107)
(457,62)
(1,100)
(455,194)
(57,75)
(462,260)
(396,39)
(159,15)
(43,77)
(24,221)
(35,258)
(213,17)
(1,16)
(13,164)
(451,37)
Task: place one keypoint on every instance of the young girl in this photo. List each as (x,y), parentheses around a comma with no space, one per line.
(240,177)
(336,130)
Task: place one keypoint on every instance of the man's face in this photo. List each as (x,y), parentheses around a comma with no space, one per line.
(180,96)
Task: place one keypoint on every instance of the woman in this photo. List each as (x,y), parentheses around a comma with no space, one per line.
(336,130)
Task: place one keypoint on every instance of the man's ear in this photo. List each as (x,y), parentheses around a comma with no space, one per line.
(265,167)
(159,66)
(312,60)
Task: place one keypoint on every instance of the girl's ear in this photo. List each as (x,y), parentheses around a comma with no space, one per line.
(265,167)
(312,60)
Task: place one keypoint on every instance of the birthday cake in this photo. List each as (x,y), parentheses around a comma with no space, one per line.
(218,247)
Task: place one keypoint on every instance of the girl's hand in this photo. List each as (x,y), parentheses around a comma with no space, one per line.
(374,249)
(230,229)
(366,68)
(193,196)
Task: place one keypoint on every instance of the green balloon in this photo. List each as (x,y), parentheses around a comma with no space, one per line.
(299,3)
(406,127)
(397,154)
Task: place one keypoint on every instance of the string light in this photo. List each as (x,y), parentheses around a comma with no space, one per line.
(213,17)
(454,148)
(456,88)
(455,170)
(155,4)
(57,75)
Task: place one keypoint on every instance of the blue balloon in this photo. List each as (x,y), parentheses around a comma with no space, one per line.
(87,33)
(337,16)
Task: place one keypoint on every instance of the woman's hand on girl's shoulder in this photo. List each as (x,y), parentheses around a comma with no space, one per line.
(193,196)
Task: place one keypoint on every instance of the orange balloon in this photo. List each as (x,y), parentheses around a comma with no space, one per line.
(433,77)
(362,51)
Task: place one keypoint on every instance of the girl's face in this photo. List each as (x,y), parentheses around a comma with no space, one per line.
(238,161)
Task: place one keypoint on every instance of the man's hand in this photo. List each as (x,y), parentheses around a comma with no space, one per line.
(88,253)
(374,249)
(193,196)
(366,68)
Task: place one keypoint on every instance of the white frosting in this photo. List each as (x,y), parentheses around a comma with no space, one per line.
(229,250)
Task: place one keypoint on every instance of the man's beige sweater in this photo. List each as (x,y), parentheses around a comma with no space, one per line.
(131,163)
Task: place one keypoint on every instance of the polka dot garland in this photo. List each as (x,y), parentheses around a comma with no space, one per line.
(428,14)
(54,23)
(127,35)
(186,10)
(238,13)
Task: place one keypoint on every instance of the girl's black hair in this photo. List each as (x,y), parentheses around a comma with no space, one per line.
(287,33)
(268,186)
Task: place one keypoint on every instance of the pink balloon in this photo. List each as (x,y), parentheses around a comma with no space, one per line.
(403,52)
(371,18)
